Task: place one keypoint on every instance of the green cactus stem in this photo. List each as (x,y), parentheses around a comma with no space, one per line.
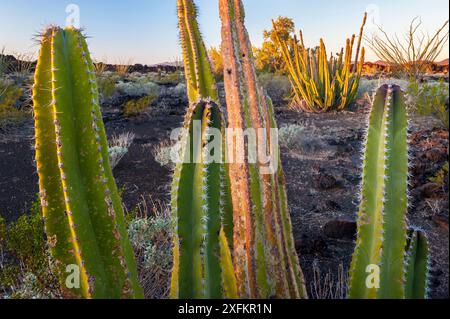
(201,202)
(202,265)
(417,267)
(265,260)
(84,218)
(382,224)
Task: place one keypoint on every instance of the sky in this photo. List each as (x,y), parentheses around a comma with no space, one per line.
(145,31)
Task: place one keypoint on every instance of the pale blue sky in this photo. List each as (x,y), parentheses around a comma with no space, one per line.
(146,30)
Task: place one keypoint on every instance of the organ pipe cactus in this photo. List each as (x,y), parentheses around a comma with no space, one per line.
(265,260)
(322,84)
(417,267)
(84,218)
(378,266)
(201,204)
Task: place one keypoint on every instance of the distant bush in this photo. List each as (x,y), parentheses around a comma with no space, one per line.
(430,99)
(440,176)
(277,87)
(138,89)
(10,95)
(139,106)
(290,136)
(172,78)
(295,138)
(106,85)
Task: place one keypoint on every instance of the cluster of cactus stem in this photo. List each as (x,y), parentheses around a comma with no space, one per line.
(232,228)
(321,83)
(83,214)
(265,260)
(201,203)
(383,266)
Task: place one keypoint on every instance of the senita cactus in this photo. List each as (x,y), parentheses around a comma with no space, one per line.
(322,84)
(266,263)
(378,266)
(417,267)
(201,204)
(83,214)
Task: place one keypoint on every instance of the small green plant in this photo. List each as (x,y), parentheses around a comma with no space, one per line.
(290,136)
(10,95)
(106,85)
(138,107)
(439,178)
(430,99)
(151,237)
(25,241)
(119,147)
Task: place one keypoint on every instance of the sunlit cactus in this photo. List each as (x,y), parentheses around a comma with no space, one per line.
(84,218)
(321,83)
(378,266)
(201,203)
(265,261)
(417,266)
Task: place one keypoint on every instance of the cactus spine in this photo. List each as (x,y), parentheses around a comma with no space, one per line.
(201,204)
(265,260)
(322,84)
(83,213)
(382,224)
(417,268)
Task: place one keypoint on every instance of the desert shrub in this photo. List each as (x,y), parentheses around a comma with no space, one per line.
(10,95)
(162,154)
(277,87)
(290,136)
(106,85)
(412,53)
(151,240)
(138,89)
(118,147)
(29,274)
(295,138)
(171,78)
(139,106)
(439,178)
(430,99)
